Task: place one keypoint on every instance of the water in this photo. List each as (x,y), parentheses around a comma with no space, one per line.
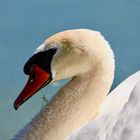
(26,24)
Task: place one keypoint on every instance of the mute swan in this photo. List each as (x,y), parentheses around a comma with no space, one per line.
(86,57)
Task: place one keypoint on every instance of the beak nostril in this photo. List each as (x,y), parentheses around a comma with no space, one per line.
(32,78)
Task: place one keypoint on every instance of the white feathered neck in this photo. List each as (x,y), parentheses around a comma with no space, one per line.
(77,102)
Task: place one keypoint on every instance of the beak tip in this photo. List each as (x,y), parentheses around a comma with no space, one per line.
(16,109)
(16,106)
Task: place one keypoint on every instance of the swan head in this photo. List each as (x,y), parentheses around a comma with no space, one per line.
(63,55)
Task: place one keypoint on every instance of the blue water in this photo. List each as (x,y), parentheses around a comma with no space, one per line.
(26,24)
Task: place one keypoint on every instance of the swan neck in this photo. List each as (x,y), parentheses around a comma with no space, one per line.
(74,105)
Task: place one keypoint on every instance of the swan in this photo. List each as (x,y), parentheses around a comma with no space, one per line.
(82,55)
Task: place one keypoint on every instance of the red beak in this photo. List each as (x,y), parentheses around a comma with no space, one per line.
(37,79)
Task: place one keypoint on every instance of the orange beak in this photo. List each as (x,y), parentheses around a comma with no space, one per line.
(37,79)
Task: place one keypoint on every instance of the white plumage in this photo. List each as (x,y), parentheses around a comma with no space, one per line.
(85,56)
(119,115)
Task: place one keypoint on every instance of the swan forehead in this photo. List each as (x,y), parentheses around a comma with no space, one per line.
(40,48)
(45,47)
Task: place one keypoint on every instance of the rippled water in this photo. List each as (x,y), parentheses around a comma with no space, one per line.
(26,24)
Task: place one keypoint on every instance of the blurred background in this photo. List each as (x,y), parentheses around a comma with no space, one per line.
(24,25)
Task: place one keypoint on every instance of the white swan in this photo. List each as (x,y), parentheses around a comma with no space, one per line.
(83,55)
